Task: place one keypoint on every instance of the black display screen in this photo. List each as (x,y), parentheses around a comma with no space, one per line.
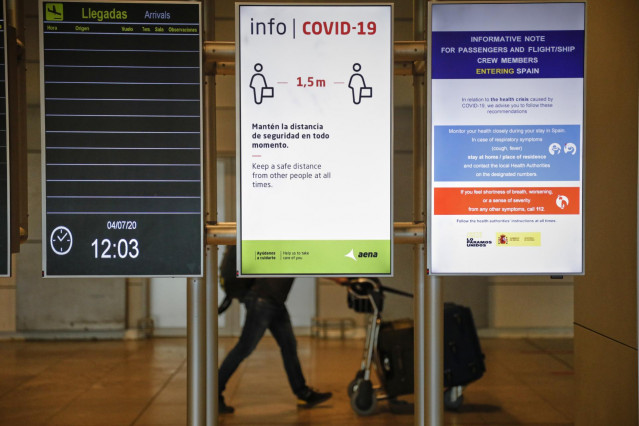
(122,141)
(5,244)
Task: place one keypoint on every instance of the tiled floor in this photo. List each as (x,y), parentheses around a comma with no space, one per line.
(143,383)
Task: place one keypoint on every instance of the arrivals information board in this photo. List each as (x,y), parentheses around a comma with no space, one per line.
(5,243)
(506,138)
(121,138)
(314,139)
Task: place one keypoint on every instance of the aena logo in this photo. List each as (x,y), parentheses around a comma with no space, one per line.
(367,254)
(360,254)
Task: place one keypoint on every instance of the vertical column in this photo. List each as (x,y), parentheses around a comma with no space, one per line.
(138,321)
(212,407)
(17,93)
(210,205)
(419,340)
(428,299)
(196,352)
(418,216)
(5,181)
(434,362)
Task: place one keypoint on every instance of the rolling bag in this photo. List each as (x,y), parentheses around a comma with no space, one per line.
(463,358)
(395,349)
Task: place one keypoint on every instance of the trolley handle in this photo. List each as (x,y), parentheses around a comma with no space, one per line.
(361,287)
(395,291)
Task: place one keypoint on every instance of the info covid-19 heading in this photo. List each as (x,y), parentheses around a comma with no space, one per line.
(272,27)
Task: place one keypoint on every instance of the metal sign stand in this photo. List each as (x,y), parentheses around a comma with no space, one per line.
(202,402)
(202,394)
(196,352)
(429,315)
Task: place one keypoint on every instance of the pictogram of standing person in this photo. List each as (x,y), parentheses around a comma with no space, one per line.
(358,85)
(258,84)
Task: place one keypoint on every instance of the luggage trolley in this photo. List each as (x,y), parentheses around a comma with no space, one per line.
(366,295)
(389,347)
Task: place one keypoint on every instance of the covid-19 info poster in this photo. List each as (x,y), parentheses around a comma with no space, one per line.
(314,139)
(506,138)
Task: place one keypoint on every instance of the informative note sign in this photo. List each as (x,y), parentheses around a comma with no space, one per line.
(5,243)
(121,135)
(314,128)
(506,138)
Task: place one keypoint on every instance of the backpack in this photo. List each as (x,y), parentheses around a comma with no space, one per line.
(234,287)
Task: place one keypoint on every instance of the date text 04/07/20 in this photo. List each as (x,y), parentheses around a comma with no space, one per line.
(121,224)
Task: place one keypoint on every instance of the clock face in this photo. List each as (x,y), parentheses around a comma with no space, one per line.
(61,240)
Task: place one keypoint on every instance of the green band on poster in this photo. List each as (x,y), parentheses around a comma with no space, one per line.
(312,257)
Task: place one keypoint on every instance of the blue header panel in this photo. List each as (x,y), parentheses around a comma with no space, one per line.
(507,54)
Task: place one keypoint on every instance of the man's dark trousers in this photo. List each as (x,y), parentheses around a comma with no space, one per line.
(262,314)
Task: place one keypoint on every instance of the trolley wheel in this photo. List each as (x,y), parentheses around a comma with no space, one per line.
(453,398)
(364,400)
(352,386)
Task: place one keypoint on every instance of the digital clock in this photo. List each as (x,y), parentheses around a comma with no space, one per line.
(122,249)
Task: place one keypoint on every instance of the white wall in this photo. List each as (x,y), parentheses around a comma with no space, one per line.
(301,302)
(531,306)
(168,302)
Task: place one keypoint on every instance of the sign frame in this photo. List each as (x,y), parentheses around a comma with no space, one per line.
(389,228)
(7,224)
(199,266)
(456,270)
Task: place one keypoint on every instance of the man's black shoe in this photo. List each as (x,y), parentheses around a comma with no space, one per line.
(310,398)
(223,408)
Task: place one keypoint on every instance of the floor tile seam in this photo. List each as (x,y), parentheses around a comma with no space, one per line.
(166,383)
(40,372)
(541,395)
(549,353)
(519,424)
(516,373)
(481,422)
(489,422)
(5,394)
(79,393)
(523,383)
(605,336)
(550,403)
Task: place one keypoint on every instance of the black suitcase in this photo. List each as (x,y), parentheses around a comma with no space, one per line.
(395,351)
(463,358)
